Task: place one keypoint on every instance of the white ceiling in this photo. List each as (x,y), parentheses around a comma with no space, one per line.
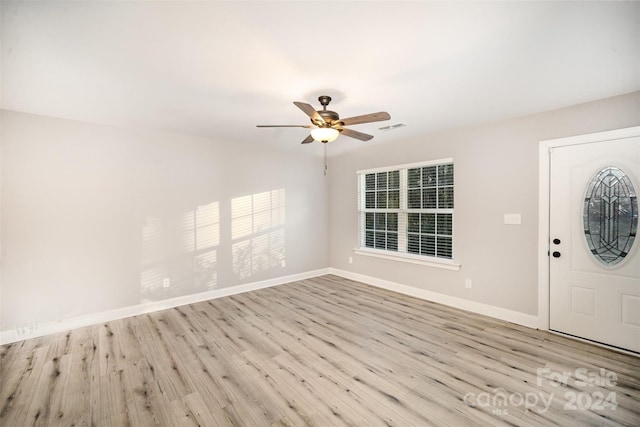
(219,68)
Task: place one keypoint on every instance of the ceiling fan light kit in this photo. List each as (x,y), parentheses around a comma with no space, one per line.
(327,125)
(325,134)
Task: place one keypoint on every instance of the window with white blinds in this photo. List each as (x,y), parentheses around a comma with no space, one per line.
(407,209)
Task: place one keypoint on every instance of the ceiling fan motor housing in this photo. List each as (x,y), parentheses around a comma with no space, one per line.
(329,116)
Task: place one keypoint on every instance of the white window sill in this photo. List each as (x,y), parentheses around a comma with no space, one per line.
(410,258)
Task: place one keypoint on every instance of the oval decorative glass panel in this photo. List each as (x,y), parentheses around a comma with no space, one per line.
(610,215)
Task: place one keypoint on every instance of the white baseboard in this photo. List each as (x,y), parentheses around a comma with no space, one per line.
(13,335)
(516,317)
(19,334)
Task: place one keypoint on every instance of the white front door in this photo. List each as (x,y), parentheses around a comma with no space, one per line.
(594,256)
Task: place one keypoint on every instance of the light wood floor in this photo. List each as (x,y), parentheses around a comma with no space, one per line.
(325,351)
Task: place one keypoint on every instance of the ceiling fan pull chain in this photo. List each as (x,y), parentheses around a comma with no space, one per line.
(325,159)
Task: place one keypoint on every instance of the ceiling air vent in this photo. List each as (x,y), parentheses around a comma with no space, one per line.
(392,127)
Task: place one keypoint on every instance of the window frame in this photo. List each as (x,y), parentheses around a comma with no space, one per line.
(403,211)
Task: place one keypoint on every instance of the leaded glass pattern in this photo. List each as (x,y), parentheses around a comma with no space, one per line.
(610,215)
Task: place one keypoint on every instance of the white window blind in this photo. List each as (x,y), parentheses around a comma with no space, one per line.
(408,209)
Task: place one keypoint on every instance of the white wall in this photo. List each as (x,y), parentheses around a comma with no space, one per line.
(496,172)
(95,217)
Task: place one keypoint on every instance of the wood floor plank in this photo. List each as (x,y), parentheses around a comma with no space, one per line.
(193,410)
(48,391)
(326,351)
(114,406)
(19,382)
(78,386)
(254,367)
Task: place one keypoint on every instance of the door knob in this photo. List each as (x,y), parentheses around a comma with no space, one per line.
(556,254)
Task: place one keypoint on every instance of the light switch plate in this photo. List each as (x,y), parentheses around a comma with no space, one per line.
(513,219)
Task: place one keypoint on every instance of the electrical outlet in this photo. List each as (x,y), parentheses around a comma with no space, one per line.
(166,282)
(350,260)
(467,283)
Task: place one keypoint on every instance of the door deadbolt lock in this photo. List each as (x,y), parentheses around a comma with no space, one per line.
(556,241)
(556,254)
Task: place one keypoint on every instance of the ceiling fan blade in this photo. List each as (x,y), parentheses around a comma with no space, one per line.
(285,126)
(355,134)
(307,140)
(310,111)
(367,118)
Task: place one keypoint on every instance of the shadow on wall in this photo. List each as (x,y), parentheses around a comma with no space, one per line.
(182,255)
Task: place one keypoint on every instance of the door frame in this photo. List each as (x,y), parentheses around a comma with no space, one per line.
(544,162)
